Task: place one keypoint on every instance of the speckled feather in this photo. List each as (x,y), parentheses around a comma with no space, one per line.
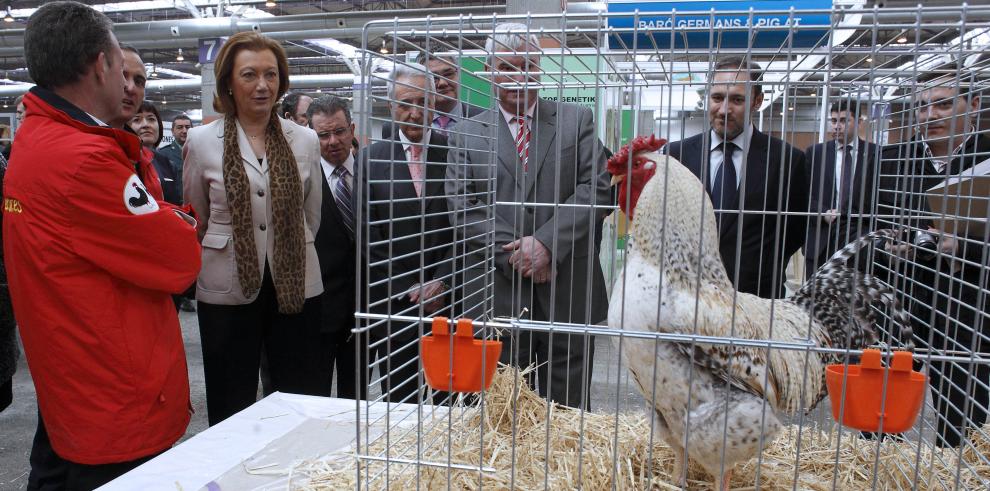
(674,282)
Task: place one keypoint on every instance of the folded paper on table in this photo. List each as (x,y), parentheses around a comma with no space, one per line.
(961,202)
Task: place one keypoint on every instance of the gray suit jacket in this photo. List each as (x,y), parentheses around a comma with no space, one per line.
(203,188)
(566,167)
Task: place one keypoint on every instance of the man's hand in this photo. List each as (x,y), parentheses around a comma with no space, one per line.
(947,243)
(830,216)
(427,292)
(531,258)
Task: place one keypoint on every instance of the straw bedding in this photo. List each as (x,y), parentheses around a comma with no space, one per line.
(598,450)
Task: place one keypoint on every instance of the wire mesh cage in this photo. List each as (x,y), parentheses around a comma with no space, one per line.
(674,329)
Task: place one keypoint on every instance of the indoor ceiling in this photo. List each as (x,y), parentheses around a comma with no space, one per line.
(885,45)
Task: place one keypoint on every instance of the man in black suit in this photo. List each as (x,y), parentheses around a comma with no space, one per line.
(330,117)
(449,109)
(408,239)
(944,281)
(752,197)
(843,173)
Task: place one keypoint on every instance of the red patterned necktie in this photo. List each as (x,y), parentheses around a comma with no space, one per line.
(522,142)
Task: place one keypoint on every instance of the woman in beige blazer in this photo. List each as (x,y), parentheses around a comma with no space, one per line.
(254,181)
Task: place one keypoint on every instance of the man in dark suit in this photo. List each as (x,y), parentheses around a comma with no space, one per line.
(408,239)
(449,109)
(753,196)
(545,255)
(330,117)
(842,175)
(944,281)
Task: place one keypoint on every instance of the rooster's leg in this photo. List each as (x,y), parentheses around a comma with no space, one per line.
(726,477)
(679,472)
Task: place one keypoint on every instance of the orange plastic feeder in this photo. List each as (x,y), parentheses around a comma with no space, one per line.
(460,364)
(865,390)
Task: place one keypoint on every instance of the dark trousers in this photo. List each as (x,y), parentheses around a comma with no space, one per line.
(340,348)
(232,337)
(394,350)
(960,399)
(562,363)
(959,323)
(51,472)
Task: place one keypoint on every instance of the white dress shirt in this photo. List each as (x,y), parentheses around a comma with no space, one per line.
(407,145)
(742,142)
(328,169)
(514,123)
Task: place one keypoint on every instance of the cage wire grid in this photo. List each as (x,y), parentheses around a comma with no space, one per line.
(641,80)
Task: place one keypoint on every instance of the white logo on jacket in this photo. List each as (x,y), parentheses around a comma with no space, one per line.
(137,199)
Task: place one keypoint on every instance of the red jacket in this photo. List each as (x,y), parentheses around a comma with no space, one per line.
(92,259)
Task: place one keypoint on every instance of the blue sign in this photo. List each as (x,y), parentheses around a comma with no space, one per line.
(709,25)
(208,49)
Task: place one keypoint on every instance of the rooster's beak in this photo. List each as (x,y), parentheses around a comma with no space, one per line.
(617,179)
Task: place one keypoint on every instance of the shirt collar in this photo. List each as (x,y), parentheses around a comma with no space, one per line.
(510,118)
(456,112)
(955,151)
(405,141)
(348,164)
(741,140)
(62,104)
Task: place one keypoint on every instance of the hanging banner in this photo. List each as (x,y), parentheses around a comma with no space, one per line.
(719,24)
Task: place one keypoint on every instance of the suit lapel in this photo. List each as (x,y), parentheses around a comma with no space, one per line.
(507,155)
(247,154)
(544,135)
(402,186)
(754,180)
(436,165)
(828,177)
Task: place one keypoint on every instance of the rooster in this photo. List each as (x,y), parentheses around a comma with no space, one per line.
(718,404)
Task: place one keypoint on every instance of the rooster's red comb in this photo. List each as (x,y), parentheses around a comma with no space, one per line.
(639,144)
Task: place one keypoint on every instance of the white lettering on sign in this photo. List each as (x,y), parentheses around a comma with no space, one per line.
(719,22)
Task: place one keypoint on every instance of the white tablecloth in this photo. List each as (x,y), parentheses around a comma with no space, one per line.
(202,459)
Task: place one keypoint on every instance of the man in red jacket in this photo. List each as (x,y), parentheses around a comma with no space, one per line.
(92,257)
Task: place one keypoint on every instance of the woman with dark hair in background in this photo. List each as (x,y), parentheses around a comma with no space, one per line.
(255,183)
(147,123)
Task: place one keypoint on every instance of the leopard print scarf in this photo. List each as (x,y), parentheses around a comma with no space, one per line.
(289,268)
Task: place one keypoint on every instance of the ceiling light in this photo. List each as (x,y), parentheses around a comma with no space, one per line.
(902,39)
(869,60)
(9,17)
(270,3)
(179,57)
(384,50)
(790,108)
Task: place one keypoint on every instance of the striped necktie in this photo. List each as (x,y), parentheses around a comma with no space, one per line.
(522,142)
(342,195)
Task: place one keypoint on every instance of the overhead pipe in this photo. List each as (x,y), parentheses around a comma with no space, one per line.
(184,32)
(175,86)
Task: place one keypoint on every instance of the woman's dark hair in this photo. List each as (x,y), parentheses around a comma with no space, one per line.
(148,107)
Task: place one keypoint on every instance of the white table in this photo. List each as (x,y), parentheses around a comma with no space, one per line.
(325,424)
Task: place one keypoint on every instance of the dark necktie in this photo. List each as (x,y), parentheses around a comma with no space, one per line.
(725,194)
(847,179)
(342,195)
